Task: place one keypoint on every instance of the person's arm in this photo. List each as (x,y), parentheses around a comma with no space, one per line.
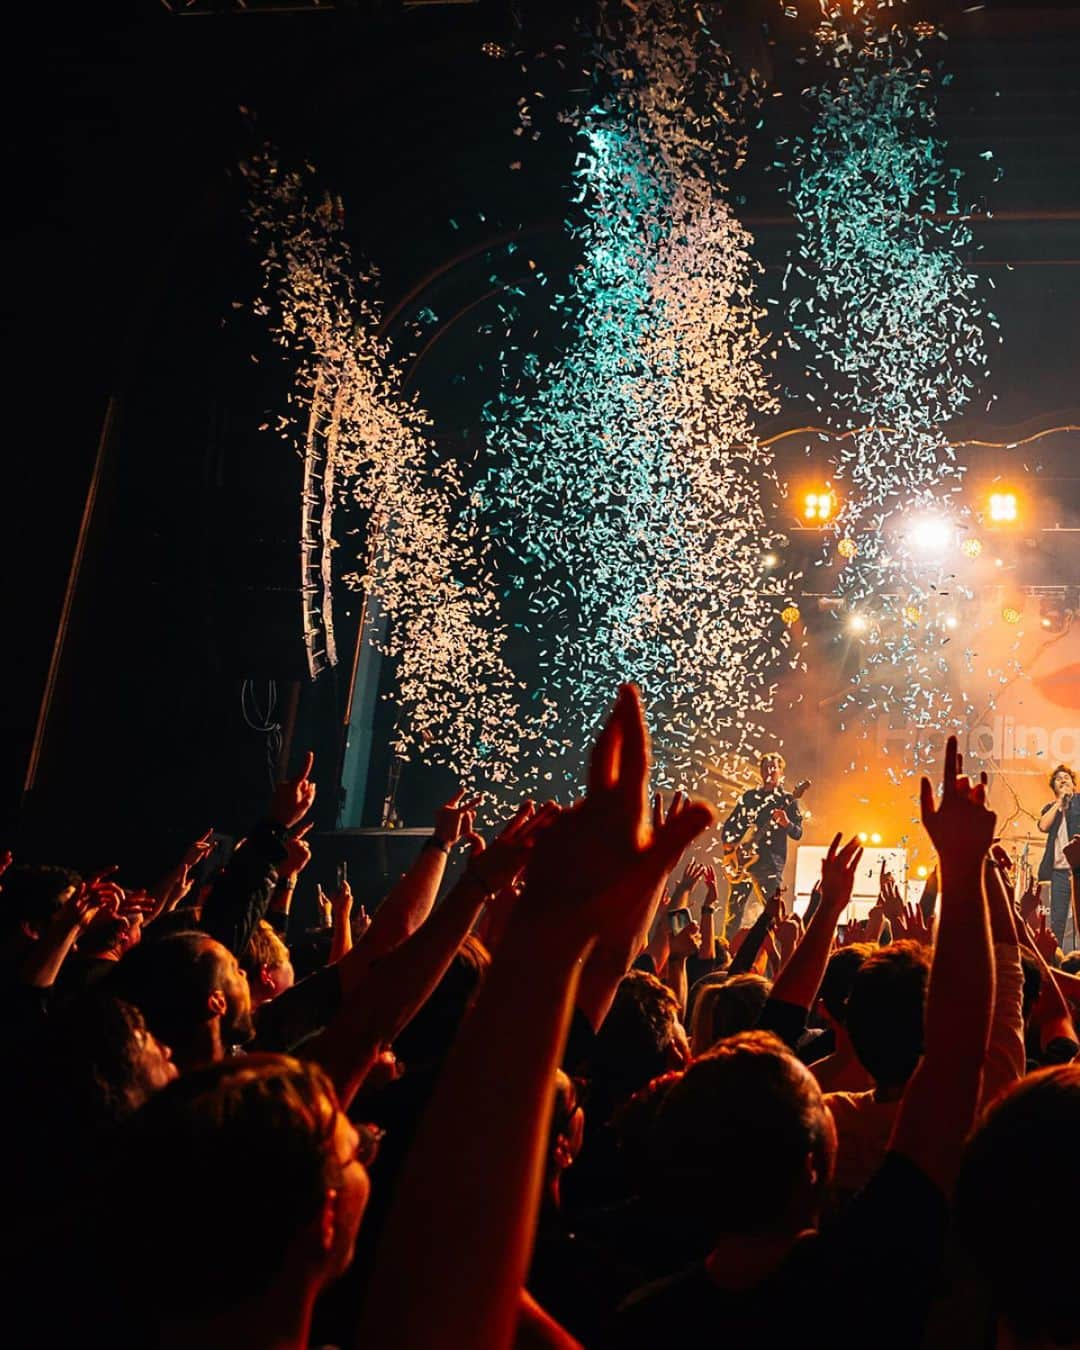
(470,1259)
(1050,1016)
(743,960)
(812,905)
(928,899)
(174,886)
(381,996)
(401,912)
(538,1330)
(341,940)
(1050,816)
(43,962)
(795,820)
(939,1105)
(240,895)
(659,943)
(801,977)
(708,915)
(492,923)
(682,946)
(620,944)
(1005,1056)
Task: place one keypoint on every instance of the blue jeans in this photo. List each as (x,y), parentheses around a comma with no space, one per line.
(1060,902)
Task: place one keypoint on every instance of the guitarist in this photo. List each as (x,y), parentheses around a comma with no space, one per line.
(774,814)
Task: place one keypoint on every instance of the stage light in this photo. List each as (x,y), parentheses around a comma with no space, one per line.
(952,621)
(971,548)
(790,614)
(999,562)
(857,624)
(875,838)
(920,871)
(930,535)
(1003,508)
(1011,614)
(912,613)
(863,836)
(495,50)
(819,506)
(769,560)
(847,548)
(1053,615)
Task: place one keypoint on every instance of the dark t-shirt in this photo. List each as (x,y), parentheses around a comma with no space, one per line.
(755,807)
(827,1292)
(299,1013)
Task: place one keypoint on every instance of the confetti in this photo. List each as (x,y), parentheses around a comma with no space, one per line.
(424,563)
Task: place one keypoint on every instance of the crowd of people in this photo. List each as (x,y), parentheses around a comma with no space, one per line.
(555,1107)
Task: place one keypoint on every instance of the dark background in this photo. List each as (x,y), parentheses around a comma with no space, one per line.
(126,252)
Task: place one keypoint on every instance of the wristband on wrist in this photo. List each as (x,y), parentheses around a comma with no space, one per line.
(433,841)
(286,883)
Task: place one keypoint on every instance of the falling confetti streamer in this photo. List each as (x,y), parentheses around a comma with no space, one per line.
(628,487)
(881,293)
(424,559)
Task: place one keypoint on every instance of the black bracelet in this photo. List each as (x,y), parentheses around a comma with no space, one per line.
(433,841)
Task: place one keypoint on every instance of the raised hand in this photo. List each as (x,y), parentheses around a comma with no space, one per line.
(891,901)
(474,842)
(200,849)
(915,928)
(962,826)
(685,943)
(293,797)
(341,903)
(693,872)
(85,904)
(601,862)
(297,852)
(456,818)
(774,905)
(781,818)
(1029,903)
(853,932)
(498,864)
(789,931)
(1045,939)
(838,874)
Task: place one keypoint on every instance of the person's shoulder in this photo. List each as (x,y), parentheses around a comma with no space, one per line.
(654,1302)
(849,1102)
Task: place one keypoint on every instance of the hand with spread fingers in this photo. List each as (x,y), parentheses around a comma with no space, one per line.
(601,861)
(838,871)
(961,826)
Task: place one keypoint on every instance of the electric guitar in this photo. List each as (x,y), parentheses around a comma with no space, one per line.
(740,855)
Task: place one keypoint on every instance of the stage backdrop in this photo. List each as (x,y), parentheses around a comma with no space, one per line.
(1033,726)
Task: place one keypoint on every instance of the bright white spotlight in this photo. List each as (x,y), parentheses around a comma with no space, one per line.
(857,624)
(931,535)
(770,560)
(952,621)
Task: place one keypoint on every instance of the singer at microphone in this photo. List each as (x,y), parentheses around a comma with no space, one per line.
(1059,821)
